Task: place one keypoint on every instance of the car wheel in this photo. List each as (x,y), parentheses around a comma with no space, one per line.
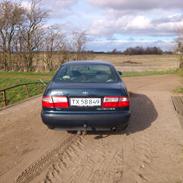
(122,126)
(72,131)
(51,127)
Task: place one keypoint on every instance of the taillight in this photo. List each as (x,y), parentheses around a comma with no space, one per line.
(123,102)
(55,102)
(115,102)
(47,102)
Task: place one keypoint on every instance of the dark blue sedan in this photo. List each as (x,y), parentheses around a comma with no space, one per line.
(86,95)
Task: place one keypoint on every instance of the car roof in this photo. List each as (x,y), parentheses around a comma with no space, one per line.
(87,62)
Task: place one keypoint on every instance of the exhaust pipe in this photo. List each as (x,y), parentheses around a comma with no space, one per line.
(85,129)
(113,129)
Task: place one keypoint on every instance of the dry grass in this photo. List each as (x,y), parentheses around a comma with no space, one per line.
(141,62)
(122,62)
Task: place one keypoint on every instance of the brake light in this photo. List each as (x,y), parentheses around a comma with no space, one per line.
(123,102)
(47,102)
(55,102)
(115,102)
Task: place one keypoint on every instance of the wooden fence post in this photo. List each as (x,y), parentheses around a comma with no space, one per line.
(5,99)
(26,89)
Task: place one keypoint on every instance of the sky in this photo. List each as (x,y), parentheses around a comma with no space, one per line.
(119,24)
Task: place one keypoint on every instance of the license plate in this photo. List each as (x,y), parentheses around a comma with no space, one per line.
(85,102)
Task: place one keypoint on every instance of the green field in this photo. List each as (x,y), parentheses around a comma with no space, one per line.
(8,79)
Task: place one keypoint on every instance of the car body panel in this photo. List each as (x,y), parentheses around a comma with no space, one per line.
(93,120)
(92,117)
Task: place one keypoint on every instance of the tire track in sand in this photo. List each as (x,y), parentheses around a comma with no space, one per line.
(90,160)
(38,167)
(110,159)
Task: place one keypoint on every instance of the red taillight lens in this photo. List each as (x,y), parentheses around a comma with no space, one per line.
(123,102)
(110,102)
(55,102)
(60,101)
(47,102)
(115,102)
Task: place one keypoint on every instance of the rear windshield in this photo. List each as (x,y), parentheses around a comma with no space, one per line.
(86,73)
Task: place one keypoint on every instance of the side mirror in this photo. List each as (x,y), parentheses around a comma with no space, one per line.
(120,73)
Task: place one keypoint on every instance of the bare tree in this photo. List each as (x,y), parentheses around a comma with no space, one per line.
(54,42)
(179,49)
(79,40)
(11,17)
(32,32)
(25,40)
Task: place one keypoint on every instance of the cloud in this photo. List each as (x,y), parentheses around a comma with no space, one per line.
(26,4)
(138,4)
(136,25)
(169,18)
(139,22)
(170,26)
(121,45)
(56,8)
(60,4)
(110,22)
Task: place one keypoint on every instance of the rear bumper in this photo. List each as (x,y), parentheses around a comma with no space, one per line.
(93,120)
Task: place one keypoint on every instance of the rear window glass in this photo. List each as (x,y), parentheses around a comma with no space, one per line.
(85,73)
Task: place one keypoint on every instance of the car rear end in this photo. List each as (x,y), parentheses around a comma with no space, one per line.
(95,106)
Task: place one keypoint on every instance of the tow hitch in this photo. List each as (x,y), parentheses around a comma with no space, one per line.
(83,131)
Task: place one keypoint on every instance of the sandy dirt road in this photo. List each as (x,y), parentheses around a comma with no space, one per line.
(150,150)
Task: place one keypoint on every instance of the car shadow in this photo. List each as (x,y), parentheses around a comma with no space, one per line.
(143,114)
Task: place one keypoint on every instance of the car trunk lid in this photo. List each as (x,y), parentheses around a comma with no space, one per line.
(89,91)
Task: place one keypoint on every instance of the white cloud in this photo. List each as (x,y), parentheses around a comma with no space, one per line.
(107,20)
(26,4)
(56,8)
(60,4)
(170,26)
(138,4)
(139,22)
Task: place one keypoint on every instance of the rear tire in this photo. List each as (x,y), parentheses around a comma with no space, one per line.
(122,126)
(51,127)
(72,131)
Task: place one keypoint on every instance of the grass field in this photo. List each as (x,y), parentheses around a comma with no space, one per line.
(123,62)
(14,95)
(131,66)
(8,79)
(141,62)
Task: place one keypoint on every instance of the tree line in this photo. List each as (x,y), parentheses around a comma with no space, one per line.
(26,42)
(138,50)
